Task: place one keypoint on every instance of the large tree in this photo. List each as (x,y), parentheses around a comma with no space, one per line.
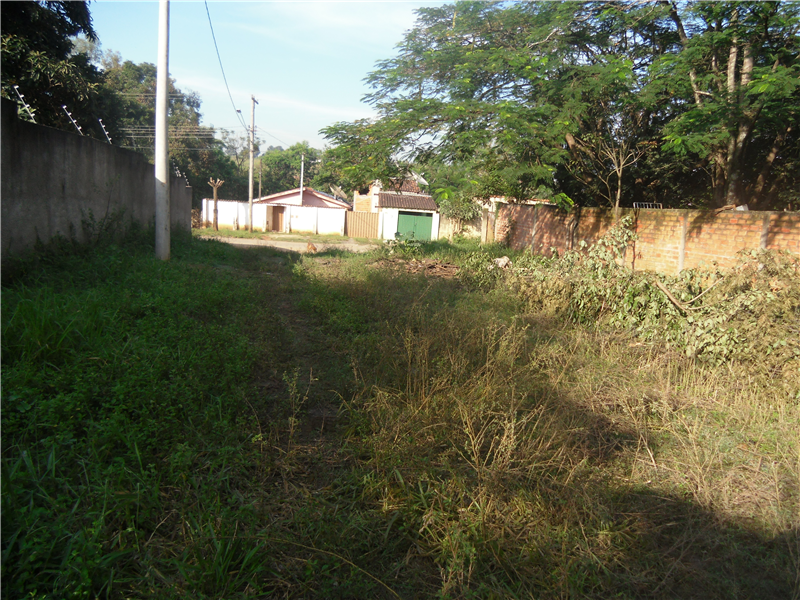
(738,64)
(281,167)
(592,99)
(37,59)
(193,148)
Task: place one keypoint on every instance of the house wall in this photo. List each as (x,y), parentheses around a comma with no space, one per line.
(668,240)
(390,217)
(53,179)
(388,223)
(311,219)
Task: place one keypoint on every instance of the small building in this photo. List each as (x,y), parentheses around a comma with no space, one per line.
(404,210)
(313,212)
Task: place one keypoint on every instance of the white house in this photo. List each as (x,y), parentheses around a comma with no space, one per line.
(313,212)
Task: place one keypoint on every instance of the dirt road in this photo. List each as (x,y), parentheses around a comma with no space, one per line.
(299,247)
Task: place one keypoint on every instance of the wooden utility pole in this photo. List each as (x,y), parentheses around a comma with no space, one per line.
(216,185)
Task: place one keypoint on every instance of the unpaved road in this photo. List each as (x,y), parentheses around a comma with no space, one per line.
(299,247)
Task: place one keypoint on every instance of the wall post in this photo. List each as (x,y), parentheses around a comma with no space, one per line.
(533,228)
(764,231)
(682,247)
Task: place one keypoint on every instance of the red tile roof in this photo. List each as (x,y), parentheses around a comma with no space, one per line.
(404,185)
(410,201)
(311,197)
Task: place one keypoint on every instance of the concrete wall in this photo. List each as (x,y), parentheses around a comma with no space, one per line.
(311,219)
(52,179)
(300,219)
(234,215)
(469,229)
(668,240)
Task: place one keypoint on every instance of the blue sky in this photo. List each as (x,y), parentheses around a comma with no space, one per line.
(303,61)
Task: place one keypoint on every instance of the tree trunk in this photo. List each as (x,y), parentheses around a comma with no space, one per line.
(216,223)
(215,185)
(758,189)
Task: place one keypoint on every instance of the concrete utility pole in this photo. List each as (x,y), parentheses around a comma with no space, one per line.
(162,144)
(252,141)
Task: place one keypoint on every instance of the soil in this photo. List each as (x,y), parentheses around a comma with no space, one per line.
(427,266)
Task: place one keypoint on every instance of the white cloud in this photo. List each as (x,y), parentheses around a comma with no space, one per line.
(332,26)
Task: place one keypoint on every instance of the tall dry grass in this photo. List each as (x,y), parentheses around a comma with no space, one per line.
(527,456)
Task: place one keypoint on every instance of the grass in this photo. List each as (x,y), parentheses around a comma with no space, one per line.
(245,423)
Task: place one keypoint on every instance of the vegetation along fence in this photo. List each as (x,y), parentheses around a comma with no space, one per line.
(668,240)
(361,224)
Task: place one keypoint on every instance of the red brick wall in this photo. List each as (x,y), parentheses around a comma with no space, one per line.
(659,243)
(662,244)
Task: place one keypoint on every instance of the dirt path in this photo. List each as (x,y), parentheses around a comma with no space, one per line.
(299,247)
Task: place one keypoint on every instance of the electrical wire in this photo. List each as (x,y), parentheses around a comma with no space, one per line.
(225,79)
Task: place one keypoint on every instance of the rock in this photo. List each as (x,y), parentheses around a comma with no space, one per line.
(500,263)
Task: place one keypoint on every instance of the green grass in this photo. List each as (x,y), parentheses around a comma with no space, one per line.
(247,423)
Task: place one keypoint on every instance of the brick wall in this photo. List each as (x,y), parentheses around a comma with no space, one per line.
(668,240)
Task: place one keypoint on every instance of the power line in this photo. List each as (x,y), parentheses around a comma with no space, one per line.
(225,79)
(277,138)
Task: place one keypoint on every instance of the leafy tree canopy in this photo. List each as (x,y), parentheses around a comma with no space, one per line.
(36,45)
(281,167)
(605,102)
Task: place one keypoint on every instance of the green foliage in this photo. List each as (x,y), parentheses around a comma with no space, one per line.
(105,368)
(36,57)
(600,102)
(282,168)
(362,152)
(739,315)
(193,149)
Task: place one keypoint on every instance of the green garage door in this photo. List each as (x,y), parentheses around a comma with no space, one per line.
(418,225)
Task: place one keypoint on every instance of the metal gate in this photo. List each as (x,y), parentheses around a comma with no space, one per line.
(361,224)
(413,225)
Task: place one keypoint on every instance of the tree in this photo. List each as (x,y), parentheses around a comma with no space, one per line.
(36,46)
(740,62)
(215,185)
(194,151)
(603,102)
(282,167)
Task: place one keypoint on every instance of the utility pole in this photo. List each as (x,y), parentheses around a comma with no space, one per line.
(253,103)
(162,144)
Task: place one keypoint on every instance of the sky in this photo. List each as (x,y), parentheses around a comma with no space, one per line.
(303,61)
